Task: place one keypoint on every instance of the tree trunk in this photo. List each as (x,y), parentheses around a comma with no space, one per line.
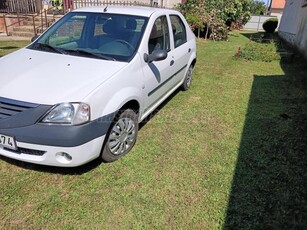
(207,31)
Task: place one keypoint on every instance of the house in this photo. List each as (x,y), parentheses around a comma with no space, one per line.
(168,3)
(276,7)
(293,25)
(158,3)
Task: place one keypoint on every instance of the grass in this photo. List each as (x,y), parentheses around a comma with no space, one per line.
(230,153)
(10,46)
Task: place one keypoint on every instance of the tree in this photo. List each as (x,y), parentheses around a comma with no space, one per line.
(194,11)
(215,15)
(235,12)
(258,7)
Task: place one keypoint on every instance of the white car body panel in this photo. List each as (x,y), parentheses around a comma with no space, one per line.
(80,154)
(60,78)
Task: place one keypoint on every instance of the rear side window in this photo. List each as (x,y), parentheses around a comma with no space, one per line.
(179,31)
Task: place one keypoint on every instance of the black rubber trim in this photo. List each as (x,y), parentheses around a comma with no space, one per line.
(167,80)
(25,118)
(19,103)
(62,136)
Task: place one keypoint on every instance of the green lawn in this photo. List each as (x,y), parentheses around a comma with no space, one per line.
(230,153)
(10,46)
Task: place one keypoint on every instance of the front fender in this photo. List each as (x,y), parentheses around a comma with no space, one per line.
(120,98)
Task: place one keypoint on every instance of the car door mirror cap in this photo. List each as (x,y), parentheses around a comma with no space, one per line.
(156,55)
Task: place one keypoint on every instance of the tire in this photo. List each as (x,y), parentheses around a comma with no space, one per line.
(121,136)
(187,79)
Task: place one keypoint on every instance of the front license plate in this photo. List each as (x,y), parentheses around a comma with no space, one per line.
(7,142)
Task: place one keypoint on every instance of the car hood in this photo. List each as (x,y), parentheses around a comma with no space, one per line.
(50,78)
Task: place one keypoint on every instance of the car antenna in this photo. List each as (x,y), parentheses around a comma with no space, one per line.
(105,9)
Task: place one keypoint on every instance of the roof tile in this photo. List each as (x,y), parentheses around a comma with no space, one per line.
(278,4)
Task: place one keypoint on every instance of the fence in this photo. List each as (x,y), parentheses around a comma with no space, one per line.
(17,6)
(83,3)
(256,22)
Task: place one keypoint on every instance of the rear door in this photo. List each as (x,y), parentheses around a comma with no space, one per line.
(181,49)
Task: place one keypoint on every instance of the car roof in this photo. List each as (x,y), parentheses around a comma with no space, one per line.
(128,10)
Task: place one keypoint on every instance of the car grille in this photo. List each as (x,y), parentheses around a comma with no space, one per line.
(10,107)
(27,151)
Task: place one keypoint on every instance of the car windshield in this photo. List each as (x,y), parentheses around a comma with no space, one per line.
(113,37)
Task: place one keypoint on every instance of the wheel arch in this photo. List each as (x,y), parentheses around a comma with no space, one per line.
(193,63)
(132,104)
(129,97)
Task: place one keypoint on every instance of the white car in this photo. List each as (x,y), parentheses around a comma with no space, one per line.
(80,90)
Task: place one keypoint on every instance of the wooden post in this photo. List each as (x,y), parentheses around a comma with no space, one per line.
(33,20)
(38,5)
(6,30)
(239,52)
(46,19)
(42,23)
(18,18)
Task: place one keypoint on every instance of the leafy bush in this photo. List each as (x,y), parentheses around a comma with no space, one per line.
(270,25)
(255,51)
(218,28)
(219,32)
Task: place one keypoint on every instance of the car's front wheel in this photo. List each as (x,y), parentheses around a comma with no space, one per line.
(121,137)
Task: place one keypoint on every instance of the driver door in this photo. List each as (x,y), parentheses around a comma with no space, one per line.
(158,73)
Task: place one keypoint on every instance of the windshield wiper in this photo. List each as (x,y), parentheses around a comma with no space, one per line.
(88,53)
(44,46)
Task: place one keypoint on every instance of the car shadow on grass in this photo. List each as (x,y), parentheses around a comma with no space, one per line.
(9,47)
(52,169)
(158,109)
(269,186)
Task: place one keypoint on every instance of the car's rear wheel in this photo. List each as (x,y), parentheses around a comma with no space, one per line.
(188,79)
(121,137)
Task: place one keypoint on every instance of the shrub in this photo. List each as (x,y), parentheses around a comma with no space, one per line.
(255,51)
(219,32)
(270,25)
(218,28)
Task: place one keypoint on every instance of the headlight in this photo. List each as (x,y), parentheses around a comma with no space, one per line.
(68,113)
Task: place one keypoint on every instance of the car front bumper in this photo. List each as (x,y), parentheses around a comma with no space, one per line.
(54,155)
(49,144)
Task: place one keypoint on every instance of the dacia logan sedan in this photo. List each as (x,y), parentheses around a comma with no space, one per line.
(80,90)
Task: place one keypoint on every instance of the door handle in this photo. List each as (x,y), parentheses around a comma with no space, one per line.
(189,50)
(172,62)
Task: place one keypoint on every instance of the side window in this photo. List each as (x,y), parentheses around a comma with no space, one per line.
(179,32)
(159,36)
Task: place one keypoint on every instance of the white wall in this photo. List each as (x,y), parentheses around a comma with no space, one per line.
(168,3)
(256,22)
(276,12)
(293,25)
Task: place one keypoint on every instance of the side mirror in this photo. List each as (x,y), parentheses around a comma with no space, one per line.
(156,55)
(34,38)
